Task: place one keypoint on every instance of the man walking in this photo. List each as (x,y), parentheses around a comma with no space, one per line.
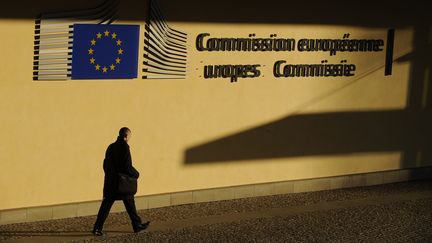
(118,160)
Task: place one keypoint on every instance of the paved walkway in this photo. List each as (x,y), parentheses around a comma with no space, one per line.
(400,212)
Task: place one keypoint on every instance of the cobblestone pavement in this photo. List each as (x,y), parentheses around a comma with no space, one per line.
(399,212)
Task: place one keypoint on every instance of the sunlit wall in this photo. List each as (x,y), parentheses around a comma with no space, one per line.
(196,133)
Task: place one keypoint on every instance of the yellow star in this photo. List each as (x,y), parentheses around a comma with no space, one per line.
(112,67)
(106,33)
(118,60)
(92,60)
(99,35)
(93,42)
(120,51)
(114,35)
(119,42)
(90,51)
(104,69)
(97,67)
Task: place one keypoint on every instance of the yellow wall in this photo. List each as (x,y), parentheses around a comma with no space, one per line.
(54,134)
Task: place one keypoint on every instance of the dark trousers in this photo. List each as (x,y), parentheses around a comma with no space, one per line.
(106,207)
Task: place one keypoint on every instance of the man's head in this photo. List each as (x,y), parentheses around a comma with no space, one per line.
(125,133)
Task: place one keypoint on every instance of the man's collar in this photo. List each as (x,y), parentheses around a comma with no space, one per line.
(120,139)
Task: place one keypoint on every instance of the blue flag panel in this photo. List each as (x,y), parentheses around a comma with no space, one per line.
(105,51)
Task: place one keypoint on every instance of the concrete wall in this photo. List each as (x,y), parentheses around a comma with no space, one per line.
(197,133)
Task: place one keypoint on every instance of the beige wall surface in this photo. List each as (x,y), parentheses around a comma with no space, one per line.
(201,133)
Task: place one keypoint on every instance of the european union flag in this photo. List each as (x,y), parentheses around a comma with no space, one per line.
(105,51)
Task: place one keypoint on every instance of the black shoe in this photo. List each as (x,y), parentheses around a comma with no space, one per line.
(97,232)
(140,227)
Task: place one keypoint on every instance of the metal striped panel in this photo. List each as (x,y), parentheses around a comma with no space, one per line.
(165,48)
(54,38)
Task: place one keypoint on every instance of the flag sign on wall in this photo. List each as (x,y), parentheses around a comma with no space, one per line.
(105,51)
(87,44)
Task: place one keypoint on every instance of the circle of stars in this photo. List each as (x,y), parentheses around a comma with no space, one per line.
(119,51)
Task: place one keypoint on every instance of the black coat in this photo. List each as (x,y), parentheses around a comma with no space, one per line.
(117,159)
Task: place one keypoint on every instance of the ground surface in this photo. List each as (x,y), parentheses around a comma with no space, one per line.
(400,212)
